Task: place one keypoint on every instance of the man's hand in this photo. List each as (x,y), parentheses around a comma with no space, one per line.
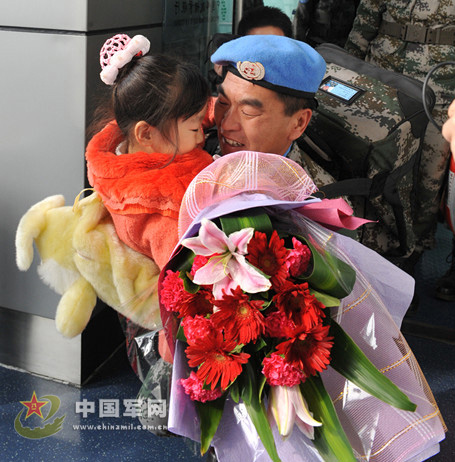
(448,129)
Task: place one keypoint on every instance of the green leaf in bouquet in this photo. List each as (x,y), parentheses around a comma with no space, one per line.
(181,334)
(251,218)
(258,415)
(329,439)
(245,386)
(259,345)
(262,383)
(328,273)
(266,303)
(234,390)
(210,414)
(183,260)
(325,299)
(188,284)
(351,362)
(237,349)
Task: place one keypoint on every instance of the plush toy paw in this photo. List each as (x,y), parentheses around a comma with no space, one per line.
(30,227)
(75,308)
(82,259)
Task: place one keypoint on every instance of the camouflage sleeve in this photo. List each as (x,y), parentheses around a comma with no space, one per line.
(365,27)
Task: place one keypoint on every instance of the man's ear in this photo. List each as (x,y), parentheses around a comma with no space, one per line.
(299,123)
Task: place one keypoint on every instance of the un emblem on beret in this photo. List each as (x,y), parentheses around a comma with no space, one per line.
(251,71)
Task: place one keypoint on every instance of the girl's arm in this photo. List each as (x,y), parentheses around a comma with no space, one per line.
(153,235)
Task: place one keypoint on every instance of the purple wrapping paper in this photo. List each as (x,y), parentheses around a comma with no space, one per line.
(371,314)
(183,418)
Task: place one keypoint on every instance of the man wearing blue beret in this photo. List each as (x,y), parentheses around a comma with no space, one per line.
(266,99)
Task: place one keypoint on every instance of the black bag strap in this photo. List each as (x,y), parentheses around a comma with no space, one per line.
(419,34)
(383,183)
(349,187)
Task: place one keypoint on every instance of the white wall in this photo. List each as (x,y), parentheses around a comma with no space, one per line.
(42,114)
(47,80)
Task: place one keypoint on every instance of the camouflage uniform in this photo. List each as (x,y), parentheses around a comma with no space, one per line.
(368,40)
(320,176)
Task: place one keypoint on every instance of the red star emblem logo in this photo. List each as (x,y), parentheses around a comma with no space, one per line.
(34,406)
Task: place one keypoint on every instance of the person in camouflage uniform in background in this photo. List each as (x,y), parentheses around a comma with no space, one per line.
(322,21)
(410,37)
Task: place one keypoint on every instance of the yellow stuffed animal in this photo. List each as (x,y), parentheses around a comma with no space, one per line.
(82,258)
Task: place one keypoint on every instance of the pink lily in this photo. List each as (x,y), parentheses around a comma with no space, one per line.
(287,406)
(227,268)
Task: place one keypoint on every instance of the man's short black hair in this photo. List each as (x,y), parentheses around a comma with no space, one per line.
(292,104)
(263,16)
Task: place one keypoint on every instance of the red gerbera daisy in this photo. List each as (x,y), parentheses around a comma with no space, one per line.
(269,257)
(216,363)
(239,316)
(308,351)
(296,302)
(199,303)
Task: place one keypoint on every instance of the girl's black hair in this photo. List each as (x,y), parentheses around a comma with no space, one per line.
(158,89)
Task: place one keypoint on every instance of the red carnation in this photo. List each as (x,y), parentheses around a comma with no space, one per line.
(269,257)
(298,259)
(279,372)
(172,291)
(194,387)
(278,325)
(195,328)
(216,362)
(308,351)
(296,302)
(239,316)
(198,262)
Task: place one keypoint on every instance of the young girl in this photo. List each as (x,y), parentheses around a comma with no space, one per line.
(141,162)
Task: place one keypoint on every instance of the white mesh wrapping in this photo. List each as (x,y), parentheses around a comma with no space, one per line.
(245,171)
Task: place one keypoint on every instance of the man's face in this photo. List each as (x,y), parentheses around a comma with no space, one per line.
(251,118)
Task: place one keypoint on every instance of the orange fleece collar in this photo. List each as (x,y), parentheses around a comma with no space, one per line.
(134,183)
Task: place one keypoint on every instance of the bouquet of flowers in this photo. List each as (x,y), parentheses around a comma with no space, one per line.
(253,307)
(276,322)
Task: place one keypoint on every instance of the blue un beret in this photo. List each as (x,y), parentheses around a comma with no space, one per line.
(279,63)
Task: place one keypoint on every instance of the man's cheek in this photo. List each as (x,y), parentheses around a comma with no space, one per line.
(219,109)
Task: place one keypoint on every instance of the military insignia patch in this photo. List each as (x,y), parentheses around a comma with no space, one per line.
(251,71)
